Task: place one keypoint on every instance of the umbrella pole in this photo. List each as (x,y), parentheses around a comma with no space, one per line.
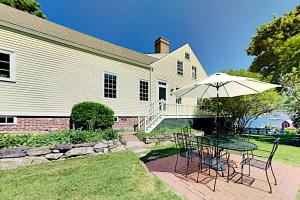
(217,109)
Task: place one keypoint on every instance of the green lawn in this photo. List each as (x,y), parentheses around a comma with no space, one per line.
(286,153)
(113,176)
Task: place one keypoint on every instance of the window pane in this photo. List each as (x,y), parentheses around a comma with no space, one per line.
(179,68)
(2,119)
(4,65)
(4,57)
(4,74)
(10,120)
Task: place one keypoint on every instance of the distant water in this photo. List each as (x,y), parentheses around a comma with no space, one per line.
(273,119)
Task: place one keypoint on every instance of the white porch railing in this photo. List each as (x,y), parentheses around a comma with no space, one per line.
(160,110)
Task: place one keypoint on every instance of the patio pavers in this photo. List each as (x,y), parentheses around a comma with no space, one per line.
(254,187)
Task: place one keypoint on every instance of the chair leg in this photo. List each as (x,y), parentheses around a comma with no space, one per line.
(273,175)
(215,181)
(242,173)
(187,167)
(249,168)
(268,181)
(228,172)
(176,162)
(199,168)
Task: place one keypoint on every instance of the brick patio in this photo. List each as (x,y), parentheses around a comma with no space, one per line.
(254,187)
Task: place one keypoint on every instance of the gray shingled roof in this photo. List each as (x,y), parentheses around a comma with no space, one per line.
(26,22)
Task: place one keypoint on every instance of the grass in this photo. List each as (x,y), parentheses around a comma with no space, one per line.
(114,176)
(298,195)
(285,154)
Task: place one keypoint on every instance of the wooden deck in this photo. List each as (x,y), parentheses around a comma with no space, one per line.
(254,187)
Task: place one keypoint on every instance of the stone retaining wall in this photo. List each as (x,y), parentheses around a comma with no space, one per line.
(159,139)
(17,157)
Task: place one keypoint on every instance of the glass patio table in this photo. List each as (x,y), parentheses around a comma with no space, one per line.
(221,142)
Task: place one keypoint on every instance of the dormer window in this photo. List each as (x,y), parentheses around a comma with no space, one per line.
(187,56)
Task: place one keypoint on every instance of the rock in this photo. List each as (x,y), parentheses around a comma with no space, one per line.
(117,149)
(135,145)
(104,141)
(118,143)
(100,146)
(79,151)
(38,159)
(84,145)
(13,163)
(105,150)
(54,156)
(63,147)
(110,142)
(38,151)
(55,151)
(149,140)
(12,153)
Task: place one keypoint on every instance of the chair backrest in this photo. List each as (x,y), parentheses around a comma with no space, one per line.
(181,141)
(186,130)
(275,147)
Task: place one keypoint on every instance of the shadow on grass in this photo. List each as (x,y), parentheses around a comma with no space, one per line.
(159,153)
(292,140)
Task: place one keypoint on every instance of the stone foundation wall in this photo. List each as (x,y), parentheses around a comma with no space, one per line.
(126,123)
(36,124)
(23,156)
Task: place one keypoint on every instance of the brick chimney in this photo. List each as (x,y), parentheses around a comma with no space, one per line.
(161,45)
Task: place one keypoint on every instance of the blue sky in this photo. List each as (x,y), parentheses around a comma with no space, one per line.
(218,31)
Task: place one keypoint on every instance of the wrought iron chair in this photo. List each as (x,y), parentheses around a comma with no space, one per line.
(207,156)
(260,164)
(186,130)
(184,149)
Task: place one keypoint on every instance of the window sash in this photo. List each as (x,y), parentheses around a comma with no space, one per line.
(5,65)
(144,91)
(180,68)
(194,72)
(110,86)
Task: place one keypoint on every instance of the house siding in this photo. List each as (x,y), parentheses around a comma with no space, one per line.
(165,69)
(51,78)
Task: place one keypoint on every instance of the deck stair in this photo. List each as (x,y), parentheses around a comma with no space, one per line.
(161,110)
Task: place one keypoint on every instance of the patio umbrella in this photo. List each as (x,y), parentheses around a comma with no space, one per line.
(223,85)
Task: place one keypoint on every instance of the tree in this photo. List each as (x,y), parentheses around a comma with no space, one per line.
(30,6)
(276,46)
(291,81)
(242,110)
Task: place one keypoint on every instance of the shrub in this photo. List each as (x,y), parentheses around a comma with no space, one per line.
(62,137)
(110,134)
(91,116)
(290,131)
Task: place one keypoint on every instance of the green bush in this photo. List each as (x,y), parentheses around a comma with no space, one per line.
(62,137)
(92,116)
(110,134)
(290,131)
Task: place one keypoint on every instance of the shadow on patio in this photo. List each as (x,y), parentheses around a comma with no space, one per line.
(253,187)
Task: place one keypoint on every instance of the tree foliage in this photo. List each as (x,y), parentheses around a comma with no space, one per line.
(30,6)
(276,46)
(291,81)
(242,110)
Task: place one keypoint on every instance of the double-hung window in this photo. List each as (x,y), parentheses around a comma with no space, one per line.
(194,72)
(7,62)
(180,68)
(144,90)
(110,85)
(178,100)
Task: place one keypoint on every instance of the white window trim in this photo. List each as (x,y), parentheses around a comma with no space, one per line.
(196,72)
(163,86)
(12,66)
(177,68)
(117,119)
(148,90)
(177,99)
(15,120)
(103,85)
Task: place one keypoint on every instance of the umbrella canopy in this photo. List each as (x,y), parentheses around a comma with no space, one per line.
(223,85)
